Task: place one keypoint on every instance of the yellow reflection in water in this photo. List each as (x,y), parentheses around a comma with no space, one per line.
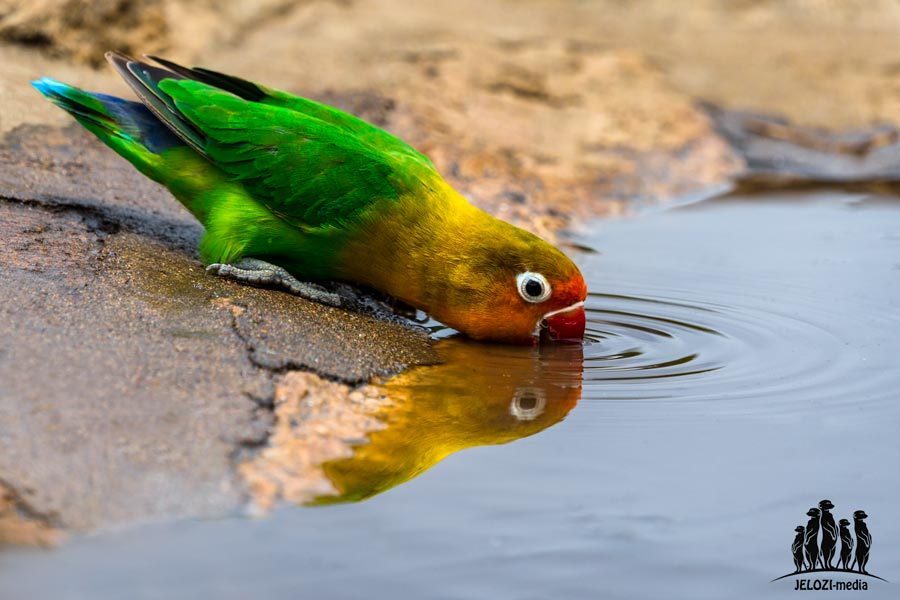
(480,395)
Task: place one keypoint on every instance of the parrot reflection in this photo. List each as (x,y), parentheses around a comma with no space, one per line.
(481,395)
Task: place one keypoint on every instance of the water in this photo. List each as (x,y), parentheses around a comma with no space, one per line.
(741,365)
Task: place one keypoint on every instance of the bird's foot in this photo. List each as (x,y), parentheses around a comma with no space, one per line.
(259,272)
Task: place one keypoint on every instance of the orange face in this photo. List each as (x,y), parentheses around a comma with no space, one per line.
(482,276)
(521,293)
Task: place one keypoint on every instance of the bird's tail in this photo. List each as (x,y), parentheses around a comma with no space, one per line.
(127,127)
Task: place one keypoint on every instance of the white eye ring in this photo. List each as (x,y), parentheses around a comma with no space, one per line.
(528,404)
(528,279)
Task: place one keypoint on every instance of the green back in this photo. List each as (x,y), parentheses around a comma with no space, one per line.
(248,90)
(310,172)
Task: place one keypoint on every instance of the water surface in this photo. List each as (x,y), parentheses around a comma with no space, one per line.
(741,366)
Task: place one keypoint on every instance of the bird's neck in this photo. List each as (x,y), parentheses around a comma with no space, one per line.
(416,249)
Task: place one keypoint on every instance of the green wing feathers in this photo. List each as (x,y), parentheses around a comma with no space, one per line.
(268,174)
(308,171)
(247,90)
(313,166)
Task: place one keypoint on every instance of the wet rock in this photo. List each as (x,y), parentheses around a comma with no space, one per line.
(117,402)
(127,383)
(316,421)
(780,152)
(280,338)
(68,167)
(20,525)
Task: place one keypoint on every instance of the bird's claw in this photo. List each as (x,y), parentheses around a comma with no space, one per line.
(259,272)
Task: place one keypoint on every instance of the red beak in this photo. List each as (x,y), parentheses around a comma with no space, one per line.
(566,325)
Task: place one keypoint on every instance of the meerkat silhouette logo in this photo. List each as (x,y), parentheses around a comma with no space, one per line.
(815,544)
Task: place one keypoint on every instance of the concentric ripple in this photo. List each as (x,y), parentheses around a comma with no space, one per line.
(763,309)
(763,354)
(652,347)
(763,351)
(630,338)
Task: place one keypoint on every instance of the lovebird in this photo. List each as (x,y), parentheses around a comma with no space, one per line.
(293,193)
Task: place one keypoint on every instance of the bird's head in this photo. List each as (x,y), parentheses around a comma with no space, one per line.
(513,286)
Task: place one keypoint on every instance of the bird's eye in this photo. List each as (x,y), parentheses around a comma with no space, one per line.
(528,404)
(533,287)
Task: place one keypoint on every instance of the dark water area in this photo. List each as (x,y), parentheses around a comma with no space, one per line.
(741,365)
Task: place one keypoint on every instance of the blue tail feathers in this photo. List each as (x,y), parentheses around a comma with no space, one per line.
(103,114)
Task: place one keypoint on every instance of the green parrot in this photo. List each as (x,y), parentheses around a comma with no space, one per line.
(292,192)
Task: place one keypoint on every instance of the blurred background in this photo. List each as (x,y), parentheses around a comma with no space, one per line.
(822,62)
(569,104)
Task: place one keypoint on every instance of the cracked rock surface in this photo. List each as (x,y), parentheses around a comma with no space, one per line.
(129,376)
(19,524)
